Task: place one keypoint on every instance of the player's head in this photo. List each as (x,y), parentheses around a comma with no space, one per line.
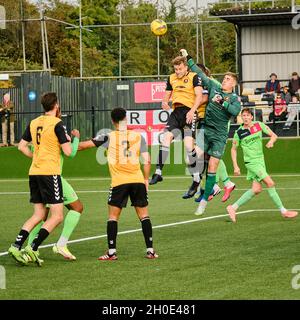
(247,115)
(204,69)
(118,117)
(180,66)
(229,81)
(49,102)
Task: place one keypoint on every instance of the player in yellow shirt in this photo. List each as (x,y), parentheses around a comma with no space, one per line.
(48,137)
(185,88)
(124,148)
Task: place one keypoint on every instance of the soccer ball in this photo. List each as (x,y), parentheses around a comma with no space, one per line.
(158,27)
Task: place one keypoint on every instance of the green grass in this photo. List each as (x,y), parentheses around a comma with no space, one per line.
(210,259)
(281,159)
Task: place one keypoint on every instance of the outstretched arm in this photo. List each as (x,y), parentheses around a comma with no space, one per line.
(193,66)
(83,145)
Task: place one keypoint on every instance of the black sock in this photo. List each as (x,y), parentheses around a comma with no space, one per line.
(41,236)
(147,231)
(162,156)
(21,238)
(112,231)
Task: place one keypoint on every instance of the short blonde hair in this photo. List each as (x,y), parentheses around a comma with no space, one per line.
(232,75)
(179,60)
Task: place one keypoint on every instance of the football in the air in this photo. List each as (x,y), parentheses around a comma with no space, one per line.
(158,27)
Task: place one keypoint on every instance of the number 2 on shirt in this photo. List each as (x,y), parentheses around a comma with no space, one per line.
(127,152)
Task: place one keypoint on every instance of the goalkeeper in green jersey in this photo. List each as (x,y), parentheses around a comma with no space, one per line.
(223,103)
(249,137)
(72,203)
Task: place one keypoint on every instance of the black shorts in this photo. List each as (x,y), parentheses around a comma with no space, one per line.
(177,121)
(45,189)
(118,196)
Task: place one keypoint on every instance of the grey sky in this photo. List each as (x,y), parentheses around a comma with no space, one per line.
(190,3)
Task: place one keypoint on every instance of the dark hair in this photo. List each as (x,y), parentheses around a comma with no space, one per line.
(204,69)
(49,100)
(247,110)
(118,114)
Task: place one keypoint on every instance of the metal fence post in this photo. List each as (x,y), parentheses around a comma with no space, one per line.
(8,127)
(93,121)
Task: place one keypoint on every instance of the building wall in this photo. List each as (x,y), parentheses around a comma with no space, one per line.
(267,49)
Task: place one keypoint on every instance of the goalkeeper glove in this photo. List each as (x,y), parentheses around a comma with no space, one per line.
(218,99)
(184,53)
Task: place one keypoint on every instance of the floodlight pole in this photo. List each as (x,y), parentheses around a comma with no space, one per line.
(157,43)
(80,40)
(197,32)
(120,40)
(47,47)
(23,35)
(202,44)
(43,39)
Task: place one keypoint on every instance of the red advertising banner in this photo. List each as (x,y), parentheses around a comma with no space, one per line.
(150,123)
(145,92)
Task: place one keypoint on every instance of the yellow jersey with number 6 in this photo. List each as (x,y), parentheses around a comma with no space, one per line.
(46,155)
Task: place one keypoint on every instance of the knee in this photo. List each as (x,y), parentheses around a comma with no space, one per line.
(257,190)
(79,207)
(271,184)
(59,218)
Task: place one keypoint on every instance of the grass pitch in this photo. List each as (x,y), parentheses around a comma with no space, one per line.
(203,259)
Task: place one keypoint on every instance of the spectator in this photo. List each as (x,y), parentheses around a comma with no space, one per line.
(279,113)
(293,108)
(273,85)
(6,110)
(285,95)
(294,84)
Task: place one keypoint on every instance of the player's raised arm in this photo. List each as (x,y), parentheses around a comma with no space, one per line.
(206,81)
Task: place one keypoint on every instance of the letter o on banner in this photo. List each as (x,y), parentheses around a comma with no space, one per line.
(164,116)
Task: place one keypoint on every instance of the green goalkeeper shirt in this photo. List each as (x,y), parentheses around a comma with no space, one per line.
(217,115)
(250,140)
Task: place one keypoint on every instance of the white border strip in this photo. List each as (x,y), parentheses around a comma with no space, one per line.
(165,178)
(12,193)
(155,227)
